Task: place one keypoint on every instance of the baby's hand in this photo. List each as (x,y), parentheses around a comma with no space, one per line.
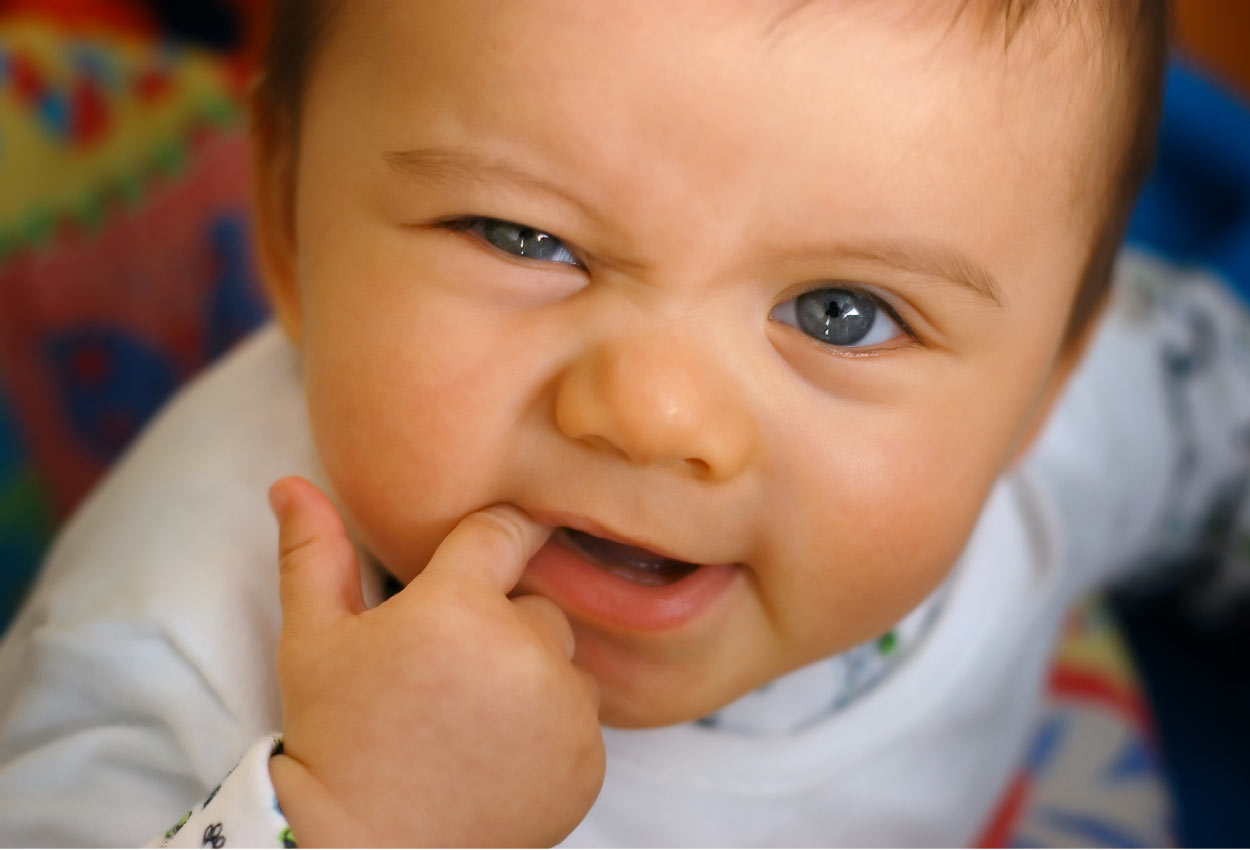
(450,715)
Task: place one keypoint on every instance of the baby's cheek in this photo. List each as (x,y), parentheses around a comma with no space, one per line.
(870,543)
(380,484)
(408,453)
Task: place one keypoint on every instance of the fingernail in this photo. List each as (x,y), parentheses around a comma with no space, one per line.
(279,499)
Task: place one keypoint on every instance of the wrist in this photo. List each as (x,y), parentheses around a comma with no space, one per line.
(316,818)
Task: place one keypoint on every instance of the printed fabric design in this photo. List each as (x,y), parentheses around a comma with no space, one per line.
(240,812)
(813,693)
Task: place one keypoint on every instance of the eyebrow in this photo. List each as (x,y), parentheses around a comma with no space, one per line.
(790,11)
(931,259)
(448,165)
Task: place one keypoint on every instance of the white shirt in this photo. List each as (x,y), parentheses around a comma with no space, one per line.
(142,667)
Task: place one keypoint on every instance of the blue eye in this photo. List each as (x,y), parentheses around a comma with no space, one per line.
(843,318)
(518,240)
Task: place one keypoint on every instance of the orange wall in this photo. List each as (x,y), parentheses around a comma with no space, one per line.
(1216,34)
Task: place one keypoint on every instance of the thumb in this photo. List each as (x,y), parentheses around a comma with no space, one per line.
(319,577)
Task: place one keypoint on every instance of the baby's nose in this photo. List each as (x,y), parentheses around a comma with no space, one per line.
(657,400)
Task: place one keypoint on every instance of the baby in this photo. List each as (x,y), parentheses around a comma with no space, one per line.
(648,352)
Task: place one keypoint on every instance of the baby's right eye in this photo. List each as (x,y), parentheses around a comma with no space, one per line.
(517,239)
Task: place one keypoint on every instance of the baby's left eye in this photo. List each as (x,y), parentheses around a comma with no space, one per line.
(844,318)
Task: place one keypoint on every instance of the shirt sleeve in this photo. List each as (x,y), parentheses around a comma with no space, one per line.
(1148,451)
(141,665)
(242,811)
(107,735)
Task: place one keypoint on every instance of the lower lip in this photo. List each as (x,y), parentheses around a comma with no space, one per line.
(591,593)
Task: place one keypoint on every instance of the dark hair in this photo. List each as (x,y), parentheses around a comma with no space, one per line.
(297,31)
(1146,32)
(300,27)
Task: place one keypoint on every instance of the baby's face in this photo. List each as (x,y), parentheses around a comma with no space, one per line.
(776,296)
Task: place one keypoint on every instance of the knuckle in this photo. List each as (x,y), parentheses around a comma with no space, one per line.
(540,609)
(499,531)
(291,553)
(315,547)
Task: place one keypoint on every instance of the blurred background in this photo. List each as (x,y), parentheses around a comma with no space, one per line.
(126,267)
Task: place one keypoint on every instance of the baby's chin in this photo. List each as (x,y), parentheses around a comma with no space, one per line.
(645,693)
(642,707)
(642,710)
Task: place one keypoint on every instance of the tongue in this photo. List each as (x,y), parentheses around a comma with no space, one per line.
(630,562)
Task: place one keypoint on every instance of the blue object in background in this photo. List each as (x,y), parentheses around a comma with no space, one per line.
(25,517)
(1195,208)
(110,383)
(237,307)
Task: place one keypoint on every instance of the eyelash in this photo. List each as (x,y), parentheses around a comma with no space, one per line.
(794,313)
(470,224)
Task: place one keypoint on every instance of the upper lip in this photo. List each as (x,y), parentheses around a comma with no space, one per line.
(578,522)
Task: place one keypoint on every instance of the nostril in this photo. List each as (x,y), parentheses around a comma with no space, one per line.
(699,468)
(599,444)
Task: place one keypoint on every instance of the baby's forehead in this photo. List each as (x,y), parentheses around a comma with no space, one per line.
(1054,43)
(1073,62)
(1082,71)
(1041,65)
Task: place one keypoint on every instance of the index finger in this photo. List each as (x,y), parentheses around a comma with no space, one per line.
(493,544)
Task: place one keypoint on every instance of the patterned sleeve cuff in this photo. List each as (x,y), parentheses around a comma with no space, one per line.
(242,811)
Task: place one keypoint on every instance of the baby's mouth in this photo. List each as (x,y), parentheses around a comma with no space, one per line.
(632,563)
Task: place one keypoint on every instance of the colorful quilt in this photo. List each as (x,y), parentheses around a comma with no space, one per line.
(1092,776)
(125,263)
